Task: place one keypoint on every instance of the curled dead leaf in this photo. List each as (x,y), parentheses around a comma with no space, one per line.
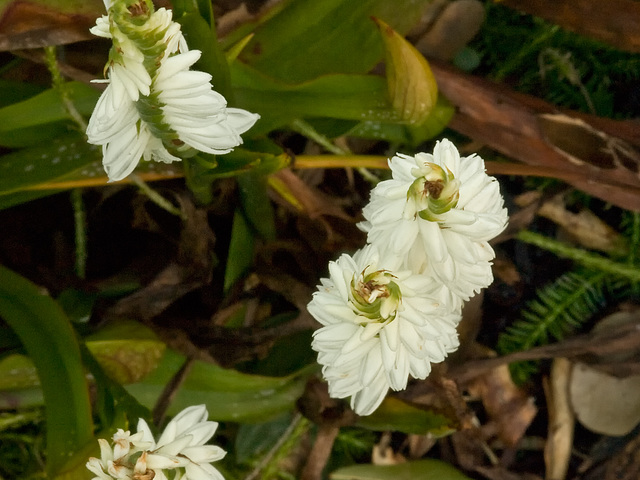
(36,24)
(508,406)
(584,227)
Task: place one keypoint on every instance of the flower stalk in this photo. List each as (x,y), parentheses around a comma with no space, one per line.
(155,107)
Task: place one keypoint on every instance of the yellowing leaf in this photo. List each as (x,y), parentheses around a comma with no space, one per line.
(412,86)
(127,351)
(419,470)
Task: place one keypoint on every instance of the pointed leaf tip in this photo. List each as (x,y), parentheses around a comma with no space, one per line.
(412,87)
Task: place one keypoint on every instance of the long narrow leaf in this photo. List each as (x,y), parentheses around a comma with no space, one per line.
(228,394)
(48,338)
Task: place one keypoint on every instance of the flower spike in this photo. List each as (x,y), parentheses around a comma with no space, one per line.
(155,107)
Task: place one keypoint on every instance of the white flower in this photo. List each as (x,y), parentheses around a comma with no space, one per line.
(181,448)
(436,216)
(194,111)
(155,107)
(379,327)
(114,463)
(182,443)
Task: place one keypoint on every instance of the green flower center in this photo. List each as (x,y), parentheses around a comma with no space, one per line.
(375,296)
(131,24)
(434,192)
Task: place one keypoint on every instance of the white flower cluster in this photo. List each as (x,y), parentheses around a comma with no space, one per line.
(392,309)
(180,449)
(155,107)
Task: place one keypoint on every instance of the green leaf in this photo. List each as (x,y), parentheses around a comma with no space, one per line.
(256,205)
(13,92)
(254,157)
(28,136)
(287,354)
(200,35)
(16,372)
(256,439)
(49,339)
(307,38)
(429,469)
(76,466)
(240,257)
(347,97)
(395,415)
(412,135)
(412,86)
(202,7)
(22,398)
(437,120)
(23,174)
(126,350)
(47,107)
(77,304)
(113,404)
(229,395)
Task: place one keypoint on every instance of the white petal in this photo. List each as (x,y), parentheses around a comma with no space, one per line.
(204,453)
(241,120)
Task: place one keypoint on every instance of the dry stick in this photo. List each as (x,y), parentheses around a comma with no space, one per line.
(170,390)
(625,338)
(320,452)
(274,450)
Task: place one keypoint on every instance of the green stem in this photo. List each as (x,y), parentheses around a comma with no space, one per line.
(60,85)
(80,221)
(308,131)
(20,418)
(156,198)
(588,259)
(268,466)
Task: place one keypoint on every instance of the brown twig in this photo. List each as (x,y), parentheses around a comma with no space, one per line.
(625,338)
(320,452)
(170,390)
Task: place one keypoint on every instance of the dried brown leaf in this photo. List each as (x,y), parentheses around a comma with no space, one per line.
(613,21)
(507,405)
(510,123)
(34,24)
(584,227)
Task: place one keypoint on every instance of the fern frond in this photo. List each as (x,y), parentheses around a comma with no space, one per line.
(587,259)
(630,228)
(559,309)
